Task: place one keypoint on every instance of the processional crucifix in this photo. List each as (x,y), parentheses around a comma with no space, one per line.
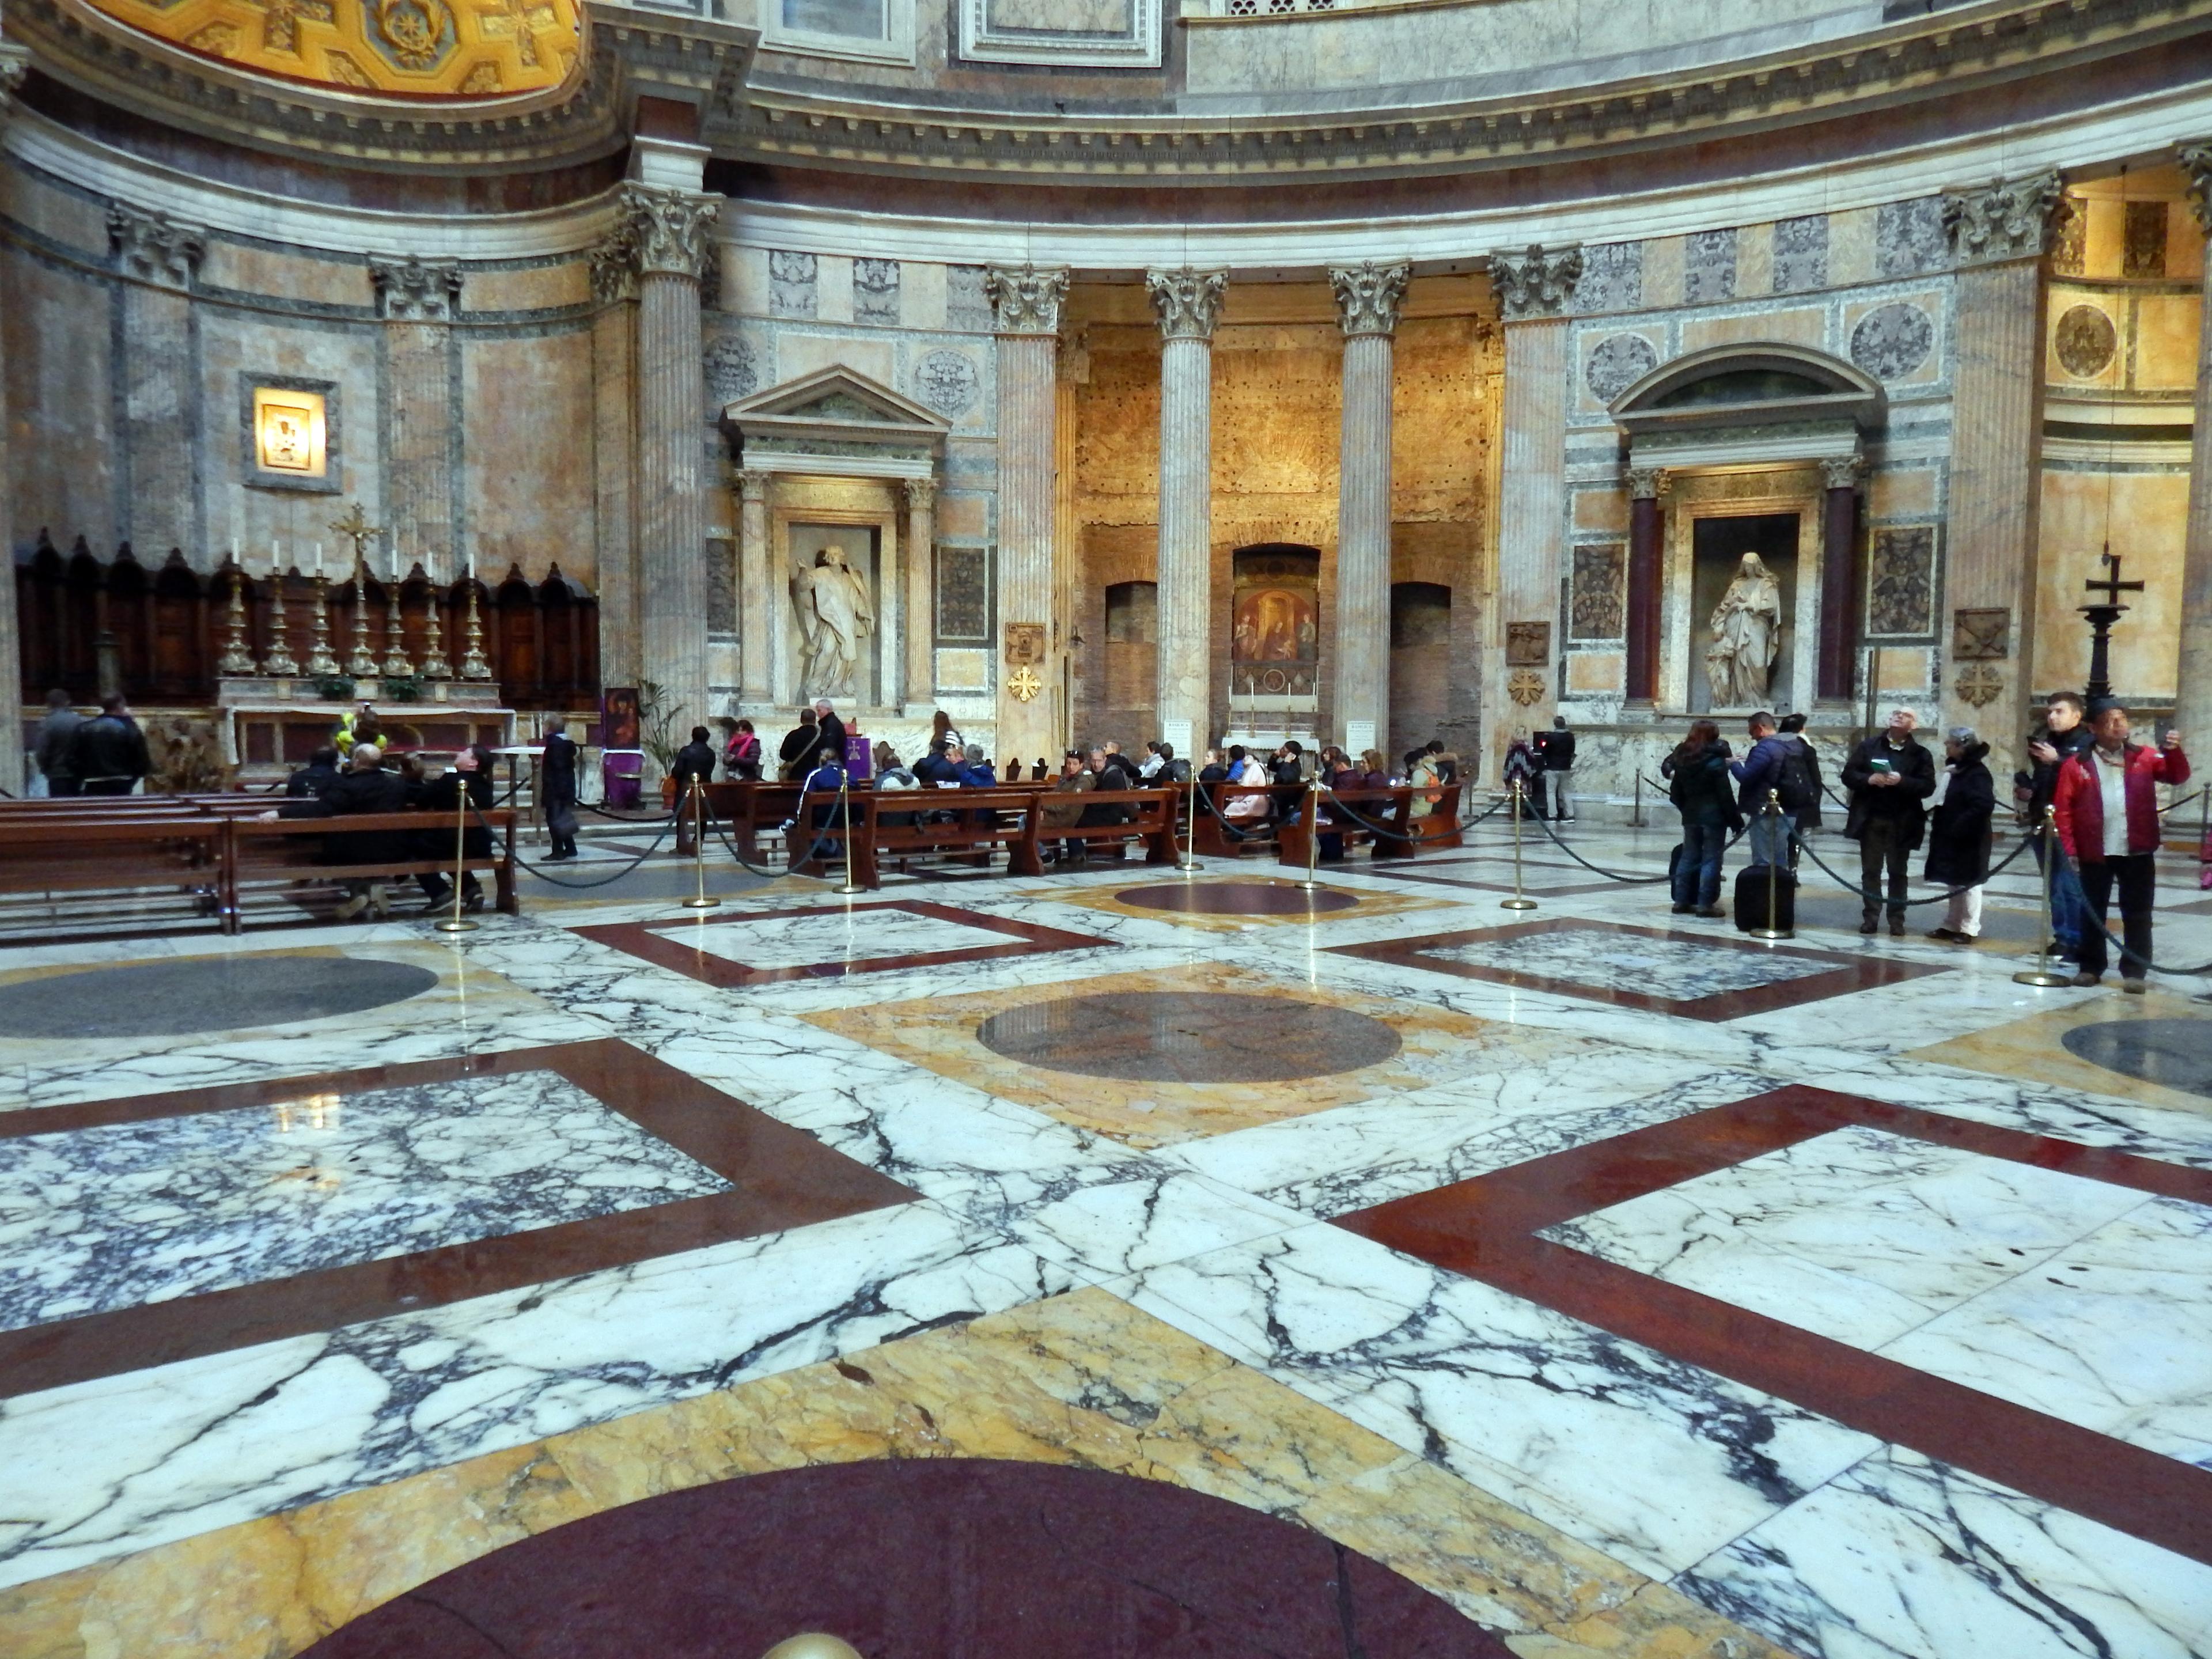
(361,661)
(2101,617)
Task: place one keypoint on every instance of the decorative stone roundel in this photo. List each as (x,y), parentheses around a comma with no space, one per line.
(1618,363)
(733,370)
(947,381)
(1892,341)
(2085,341)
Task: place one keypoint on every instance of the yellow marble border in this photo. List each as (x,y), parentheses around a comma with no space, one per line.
(2029,1050)
(1105,898)
(939,1033)
(1085,1379)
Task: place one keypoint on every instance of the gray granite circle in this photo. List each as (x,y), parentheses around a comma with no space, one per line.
(1238,898)
(2173,1053)
(1891,341)
(186,998)
(946,381)
(2085,342)
(1188,1037)
(1618,363)
(733,370)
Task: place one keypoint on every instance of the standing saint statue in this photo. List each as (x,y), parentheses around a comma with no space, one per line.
(1746,636)
(836,615)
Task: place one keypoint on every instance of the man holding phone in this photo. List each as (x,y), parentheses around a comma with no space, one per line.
(1890,777)
(2108,825)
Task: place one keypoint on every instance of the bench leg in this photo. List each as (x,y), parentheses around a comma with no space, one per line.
(503,885)
(1291,844)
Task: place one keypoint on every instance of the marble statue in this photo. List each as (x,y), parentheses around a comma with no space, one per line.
(835,617)
(1746,636)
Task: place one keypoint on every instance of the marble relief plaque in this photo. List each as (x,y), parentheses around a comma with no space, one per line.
(1902,582)
(1599,607)
(964,595)
(2084,341)
(1528,644)
(1981,634)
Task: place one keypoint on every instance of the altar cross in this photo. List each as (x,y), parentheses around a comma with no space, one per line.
(2101,617)
(2112,587)
(356,528)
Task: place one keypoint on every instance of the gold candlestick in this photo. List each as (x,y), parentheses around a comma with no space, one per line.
(473,665)
(279,660)
(361,661)
(396,665)
(320,662)
(434,665)
(236,660)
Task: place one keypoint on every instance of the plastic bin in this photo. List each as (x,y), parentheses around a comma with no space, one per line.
(623,770)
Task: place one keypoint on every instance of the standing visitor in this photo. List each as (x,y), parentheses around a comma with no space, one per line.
(556,785)
(108,754)
(2064,734)
(1801,783)
(1697,783)
(1556,750)
(742,758)
(795,758)
(1757,775)
(57,745)
(1890,777)
(1958,834)
(2108,823)
(1521,766)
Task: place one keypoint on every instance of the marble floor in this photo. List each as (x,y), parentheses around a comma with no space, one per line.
(1634,1287)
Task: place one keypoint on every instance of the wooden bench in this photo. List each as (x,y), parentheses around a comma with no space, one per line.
(1389,805)
(132,852)
(265,852)
(1211,835)
(973,822)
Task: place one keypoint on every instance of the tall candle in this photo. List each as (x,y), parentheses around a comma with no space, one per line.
(319,561)
(233,552)
(276,557)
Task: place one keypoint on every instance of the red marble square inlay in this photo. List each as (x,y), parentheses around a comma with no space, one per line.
(1487,1229)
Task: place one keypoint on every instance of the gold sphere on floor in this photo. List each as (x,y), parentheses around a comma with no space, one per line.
(812,1644)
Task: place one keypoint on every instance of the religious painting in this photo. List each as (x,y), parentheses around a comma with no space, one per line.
(288,431)
(619,717)
(1025,645)
(1981,635)
(1901,579)
(1276,624)
(1274,621)
(1599,606)
(1528,644)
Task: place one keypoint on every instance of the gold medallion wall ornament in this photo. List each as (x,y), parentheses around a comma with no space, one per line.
(1525,686)
(1980,683)
(1024,683)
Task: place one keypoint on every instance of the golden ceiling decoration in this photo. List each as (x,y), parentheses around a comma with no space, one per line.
(412,48)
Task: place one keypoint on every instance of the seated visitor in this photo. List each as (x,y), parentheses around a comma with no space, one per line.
(441,795)
(317,775)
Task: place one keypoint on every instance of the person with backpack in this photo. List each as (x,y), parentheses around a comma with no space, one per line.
(1757,774)
(1800,785)
(1555,751)
(1697,783)
(742,756)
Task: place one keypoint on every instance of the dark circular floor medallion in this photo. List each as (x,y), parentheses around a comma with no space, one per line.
(213,993)
(1237,898)
(1188,1037)
(922,1557)
(2174,1054)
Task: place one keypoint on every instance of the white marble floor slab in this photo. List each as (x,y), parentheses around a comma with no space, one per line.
(833,936)
(1609,959)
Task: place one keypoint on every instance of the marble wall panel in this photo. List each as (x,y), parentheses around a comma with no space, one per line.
(793,284)
(1799,250)
(529,494)
(1909,237)
(922,297)
(1898,493)
(1897,341)
(1709,266)
(56,348)
(876,292)
(834,295)
(800,353)
(1851,246)
(2164,347)
(538,288)
(2148,512)
(1612,279)
(1807,326)
(746,286)
(1602,508)
(277,274)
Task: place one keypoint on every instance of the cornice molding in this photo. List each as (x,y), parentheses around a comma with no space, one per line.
(2009,220)
(1369,296)
(1027,300)
(1944,55)
(1188,301)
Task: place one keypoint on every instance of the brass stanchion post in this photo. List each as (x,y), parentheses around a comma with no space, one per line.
(1520,901)
(1313,836)
(1636,818)
(699,901)
(1188,862)
(2042,973)
(457,923)
(1774,929)
(845,823)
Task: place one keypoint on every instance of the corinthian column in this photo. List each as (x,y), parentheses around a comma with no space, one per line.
(667,232)
(417,303)
(1028,302)
(2001,236)
(2193,706)
(1189,305)
(157,257)
(1533,292)
(614,454)
(1368,299)
(15,61)
(756,607)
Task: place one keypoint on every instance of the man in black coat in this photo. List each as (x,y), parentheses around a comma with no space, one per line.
(365,787)
(57,748)
(109,753)
(1556,748)
(801,746)
(831,730)
(556,785)
(318,774)
(1958,834)
(1890,777)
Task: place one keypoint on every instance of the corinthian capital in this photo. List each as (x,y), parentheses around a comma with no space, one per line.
(154,247)
(412,292)
(2009,219)
(1369,296)
(2197,161)
(1649,483)
(1028,300)
(920,495)
(1535,285)
(15,64)
(668,229)
(1842,473)
(1188,301)
(614,265)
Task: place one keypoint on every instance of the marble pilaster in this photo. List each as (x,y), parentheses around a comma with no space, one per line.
(1533,290)
(14,63)
(1368,300)
(2000,234)
(1841,579)
(1647,543)
(757,597)
(614,457)
(1188,304)
(668,230)
(157,257)
(1028,304)
(920,591)
(417,303)
(2193,705)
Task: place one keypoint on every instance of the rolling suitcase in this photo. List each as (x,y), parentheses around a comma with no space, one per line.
(1751,898)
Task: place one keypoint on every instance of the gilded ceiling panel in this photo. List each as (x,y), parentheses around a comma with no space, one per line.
(411,48)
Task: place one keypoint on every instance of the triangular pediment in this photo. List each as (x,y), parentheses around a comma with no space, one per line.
(836,402)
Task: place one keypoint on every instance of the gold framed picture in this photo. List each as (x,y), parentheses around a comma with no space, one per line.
(290,434)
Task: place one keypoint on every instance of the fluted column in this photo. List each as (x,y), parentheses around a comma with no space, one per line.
(417,303)
(614,456)
(15,61)
(756,607)
(920,592)
(1368,299)
(1532,291)
(668,232)
(2193,706)
(1841,579)
(2001,236)
(1027,302)
(1189,303)
(1648,486)
(160,439)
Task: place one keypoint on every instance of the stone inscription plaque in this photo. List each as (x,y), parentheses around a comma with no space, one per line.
(1528,644)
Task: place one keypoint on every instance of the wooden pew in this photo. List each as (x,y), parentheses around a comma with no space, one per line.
(973,822)
(1255,834)
(1390,805)
(131,852)
(265,852)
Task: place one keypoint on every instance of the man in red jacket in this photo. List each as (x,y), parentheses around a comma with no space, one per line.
(2108,825)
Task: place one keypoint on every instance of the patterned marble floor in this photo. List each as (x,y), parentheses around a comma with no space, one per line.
(1640,1289)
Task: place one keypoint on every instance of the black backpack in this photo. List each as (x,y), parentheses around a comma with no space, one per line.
(1797,786)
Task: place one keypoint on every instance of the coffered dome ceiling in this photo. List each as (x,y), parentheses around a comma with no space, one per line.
(414,48)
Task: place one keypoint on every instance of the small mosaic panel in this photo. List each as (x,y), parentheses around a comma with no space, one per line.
(1909,237)
(1901,586)
(1600,601)
(1801,254)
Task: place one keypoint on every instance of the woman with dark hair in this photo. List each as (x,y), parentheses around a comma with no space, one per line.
(1698,775)
(742,756)
(442,797)
(1958,834)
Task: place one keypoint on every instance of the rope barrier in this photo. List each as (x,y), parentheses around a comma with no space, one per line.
(667,825)
(1613,875)
(1871,901)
